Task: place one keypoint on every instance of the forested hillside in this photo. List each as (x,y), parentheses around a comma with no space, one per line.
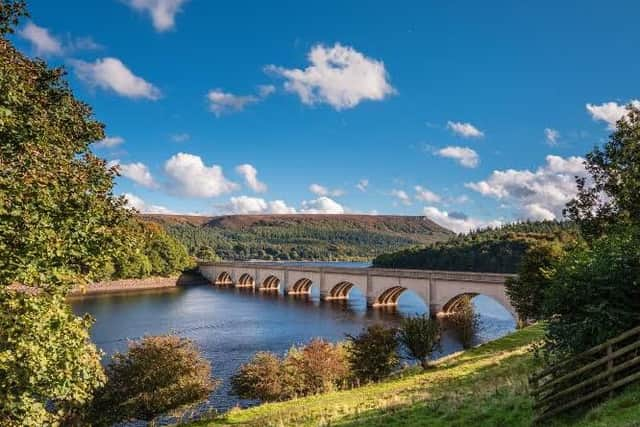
(497,250)
(301,237)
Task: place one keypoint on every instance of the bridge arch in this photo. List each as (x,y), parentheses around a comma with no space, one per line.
(270,283)
(246,280)
(389,296)
(223,279)
(453,304)
(301,287)
(340,291)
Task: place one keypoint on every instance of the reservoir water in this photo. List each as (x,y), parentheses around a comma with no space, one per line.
(231,325)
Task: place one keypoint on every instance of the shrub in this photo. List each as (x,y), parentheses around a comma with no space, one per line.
(594,293)
(260,378)
(420,337)
(373,354)
(464,321)
(156,375)
(526,291)
(48,366)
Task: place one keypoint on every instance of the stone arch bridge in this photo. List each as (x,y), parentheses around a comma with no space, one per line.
(440,290)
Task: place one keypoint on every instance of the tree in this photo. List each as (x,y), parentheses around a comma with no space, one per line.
(260,378)
(526,290)
(49,368)
(205,253)
(611,194)
(464,321)
(420,336)
(373,354)
(156,375)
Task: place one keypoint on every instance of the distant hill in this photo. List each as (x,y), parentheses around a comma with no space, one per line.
(302,237)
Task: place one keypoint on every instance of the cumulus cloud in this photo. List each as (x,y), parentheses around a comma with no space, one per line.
(190,177)
(339,76)
(362,185)
(320,190)
(250,175)
(426,195)
(540,194)
(610,112)
(109,142)
(266,90)
(43,42)
(457,221)
(322,205)
(465,156)
(551,136)
(137,203)
(223,102)
(402,196)
(162,12)
(245,205)
(465,130)
(112,74)
(137,172)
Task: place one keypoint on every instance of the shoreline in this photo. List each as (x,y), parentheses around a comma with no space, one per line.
(136,285)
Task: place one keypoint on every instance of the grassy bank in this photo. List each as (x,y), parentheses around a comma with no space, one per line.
(486,386)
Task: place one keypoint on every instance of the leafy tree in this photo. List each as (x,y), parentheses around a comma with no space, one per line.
(373,354)
(205,253)
(156,375)
(594,293)
(420,336)
(611,194)
(526,290)
(48,366)
(464,321)
(260,378)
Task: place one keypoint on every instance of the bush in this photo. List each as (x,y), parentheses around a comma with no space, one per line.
(260,378)
(156,375)
(420,337)
(48,366)
(594,293)
(526,291)
(373,354)
(464,321)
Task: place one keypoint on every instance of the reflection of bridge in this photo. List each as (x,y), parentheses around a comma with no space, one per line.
(440,290)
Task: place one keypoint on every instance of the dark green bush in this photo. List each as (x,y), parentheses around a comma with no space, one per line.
(420,336)
(373,354)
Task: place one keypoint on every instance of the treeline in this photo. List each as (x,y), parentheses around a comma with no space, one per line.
(495,250)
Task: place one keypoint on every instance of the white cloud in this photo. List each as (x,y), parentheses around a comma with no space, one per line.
(266,90)
(250,175)
(109,142)
(402,196)
(190,177)
(137,203)
(465,130)
(222,102)
(322,205)
(465,156)
(43,42)
(162,12)
(320,190)
(180,137)
(456,221)
(541,194)
(137,172)
(551,135)
(362,185)
(425,195)
(245,205)
(339,76)
(610,112)
(112,74)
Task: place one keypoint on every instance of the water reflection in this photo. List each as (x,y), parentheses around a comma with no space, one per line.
(230,324)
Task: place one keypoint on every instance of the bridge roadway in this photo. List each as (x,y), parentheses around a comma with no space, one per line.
(440,290)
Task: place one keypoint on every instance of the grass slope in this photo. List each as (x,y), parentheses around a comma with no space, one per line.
(485,386)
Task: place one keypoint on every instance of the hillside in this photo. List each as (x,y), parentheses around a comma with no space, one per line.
(302,237)
(497,250)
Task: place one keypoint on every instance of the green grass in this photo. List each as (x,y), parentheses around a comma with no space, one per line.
(485,386)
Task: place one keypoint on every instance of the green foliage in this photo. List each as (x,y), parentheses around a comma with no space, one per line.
(318,367)
(156,375)
(526,290)
(611,195)
(373,354)
(420,336)
(48,366)
(491,250)
(464,321)
(205,253)
(594,293)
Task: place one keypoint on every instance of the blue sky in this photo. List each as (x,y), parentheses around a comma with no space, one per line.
(471,113)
